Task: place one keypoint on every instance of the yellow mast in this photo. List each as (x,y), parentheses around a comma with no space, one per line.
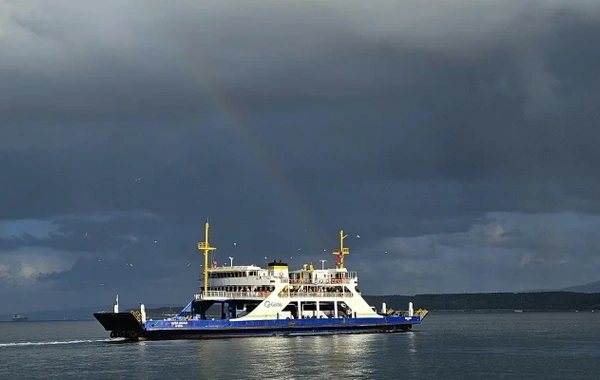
(204,246)
(343,251)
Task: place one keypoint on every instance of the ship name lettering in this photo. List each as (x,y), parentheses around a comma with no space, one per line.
(178,324)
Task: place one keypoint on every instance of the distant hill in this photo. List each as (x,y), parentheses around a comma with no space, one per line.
(587,299)
(84,313)
(475,302)
(80,314)
(590,287)
(531,301)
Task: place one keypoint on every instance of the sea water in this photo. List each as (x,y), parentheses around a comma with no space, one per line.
(446,346)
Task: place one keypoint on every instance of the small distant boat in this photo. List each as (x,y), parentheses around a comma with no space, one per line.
(518,311)
(19,318)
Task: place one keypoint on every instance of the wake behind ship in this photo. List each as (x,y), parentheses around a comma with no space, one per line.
(247,300)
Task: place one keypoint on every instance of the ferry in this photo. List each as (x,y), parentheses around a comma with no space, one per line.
(20,318)
(247,300)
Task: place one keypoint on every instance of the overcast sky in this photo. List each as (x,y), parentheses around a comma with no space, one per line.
(460,137)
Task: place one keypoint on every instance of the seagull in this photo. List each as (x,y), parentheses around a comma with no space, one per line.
(155,241)
(234,244)
(188,264)
(358,236)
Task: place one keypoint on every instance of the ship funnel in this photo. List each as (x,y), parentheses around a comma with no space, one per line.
(411,311)
(116,305)
(383,308)
(143,312)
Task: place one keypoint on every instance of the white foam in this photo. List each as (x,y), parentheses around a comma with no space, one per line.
(79,341)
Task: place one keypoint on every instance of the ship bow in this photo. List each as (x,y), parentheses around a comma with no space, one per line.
(125,324)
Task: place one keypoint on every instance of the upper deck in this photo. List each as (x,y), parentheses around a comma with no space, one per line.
(252,275)
(255,282)
(247,274)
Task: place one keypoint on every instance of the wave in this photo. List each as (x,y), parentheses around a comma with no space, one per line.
(50,343)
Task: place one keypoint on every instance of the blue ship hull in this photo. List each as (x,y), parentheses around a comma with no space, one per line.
(128,326)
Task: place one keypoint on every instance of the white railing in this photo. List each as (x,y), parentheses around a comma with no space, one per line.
(230,295)
(346,279)
(247,280)
(317,295)
(264,294)
(321,281)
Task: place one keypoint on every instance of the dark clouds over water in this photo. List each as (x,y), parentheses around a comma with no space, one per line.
(459,137)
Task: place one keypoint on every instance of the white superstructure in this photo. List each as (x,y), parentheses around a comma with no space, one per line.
(251,292)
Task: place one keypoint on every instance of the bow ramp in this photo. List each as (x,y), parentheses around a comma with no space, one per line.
(125,324)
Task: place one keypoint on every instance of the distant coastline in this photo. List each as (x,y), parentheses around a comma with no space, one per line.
(496,302)
(555,301)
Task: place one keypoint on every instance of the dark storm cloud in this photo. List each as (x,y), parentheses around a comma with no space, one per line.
(81,235)
(501,252)
(389,119)
(476,92)
(545,235)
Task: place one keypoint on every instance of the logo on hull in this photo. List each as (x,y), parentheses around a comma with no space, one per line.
(269,304)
